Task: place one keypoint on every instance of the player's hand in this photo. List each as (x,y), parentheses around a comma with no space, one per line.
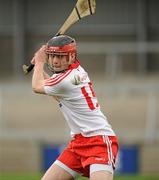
(33,60)
(40,56)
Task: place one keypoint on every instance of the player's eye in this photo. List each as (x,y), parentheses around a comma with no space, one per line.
(56,55)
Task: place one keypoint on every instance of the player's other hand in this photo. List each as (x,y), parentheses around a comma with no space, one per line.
(40,56)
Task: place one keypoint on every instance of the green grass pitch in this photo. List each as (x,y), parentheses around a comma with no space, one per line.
(38,176)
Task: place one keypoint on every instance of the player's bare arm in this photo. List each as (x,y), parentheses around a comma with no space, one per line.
(38,78)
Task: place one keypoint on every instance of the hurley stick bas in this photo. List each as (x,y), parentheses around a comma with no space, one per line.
(82,9)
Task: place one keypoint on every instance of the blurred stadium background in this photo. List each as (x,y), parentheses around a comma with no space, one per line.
(119,47)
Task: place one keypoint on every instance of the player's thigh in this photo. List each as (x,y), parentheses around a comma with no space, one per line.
(55,172)
(98,175)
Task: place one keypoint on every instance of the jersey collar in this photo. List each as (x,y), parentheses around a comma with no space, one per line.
(74,65)
(71,67)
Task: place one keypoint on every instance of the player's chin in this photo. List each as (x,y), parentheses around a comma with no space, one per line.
(58,69)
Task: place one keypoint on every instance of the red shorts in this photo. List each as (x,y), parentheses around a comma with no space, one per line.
(82,152)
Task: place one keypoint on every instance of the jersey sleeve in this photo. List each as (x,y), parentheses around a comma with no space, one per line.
(52,89)
(57,84)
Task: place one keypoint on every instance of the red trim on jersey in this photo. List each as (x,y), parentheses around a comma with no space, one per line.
(90,86)
(88,98)
(55,80)
(74,65)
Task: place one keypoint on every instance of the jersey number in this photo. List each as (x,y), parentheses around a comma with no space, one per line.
(87,97)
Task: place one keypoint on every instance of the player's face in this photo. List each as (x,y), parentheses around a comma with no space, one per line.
(58,62)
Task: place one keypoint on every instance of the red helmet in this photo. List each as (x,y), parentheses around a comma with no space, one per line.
(61,45)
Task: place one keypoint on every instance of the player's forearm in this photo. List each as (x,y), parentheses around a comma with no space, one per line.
(38,78)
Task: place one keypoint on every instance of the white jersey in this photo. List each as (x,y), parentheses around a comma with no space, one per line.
(78,102)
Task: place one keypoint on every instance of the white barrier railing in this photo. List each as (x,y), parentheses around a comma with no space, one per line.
(148,89)
(112,52)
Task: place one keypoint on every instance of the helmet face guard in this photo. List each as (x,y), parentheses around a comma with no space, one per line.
(61,45)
